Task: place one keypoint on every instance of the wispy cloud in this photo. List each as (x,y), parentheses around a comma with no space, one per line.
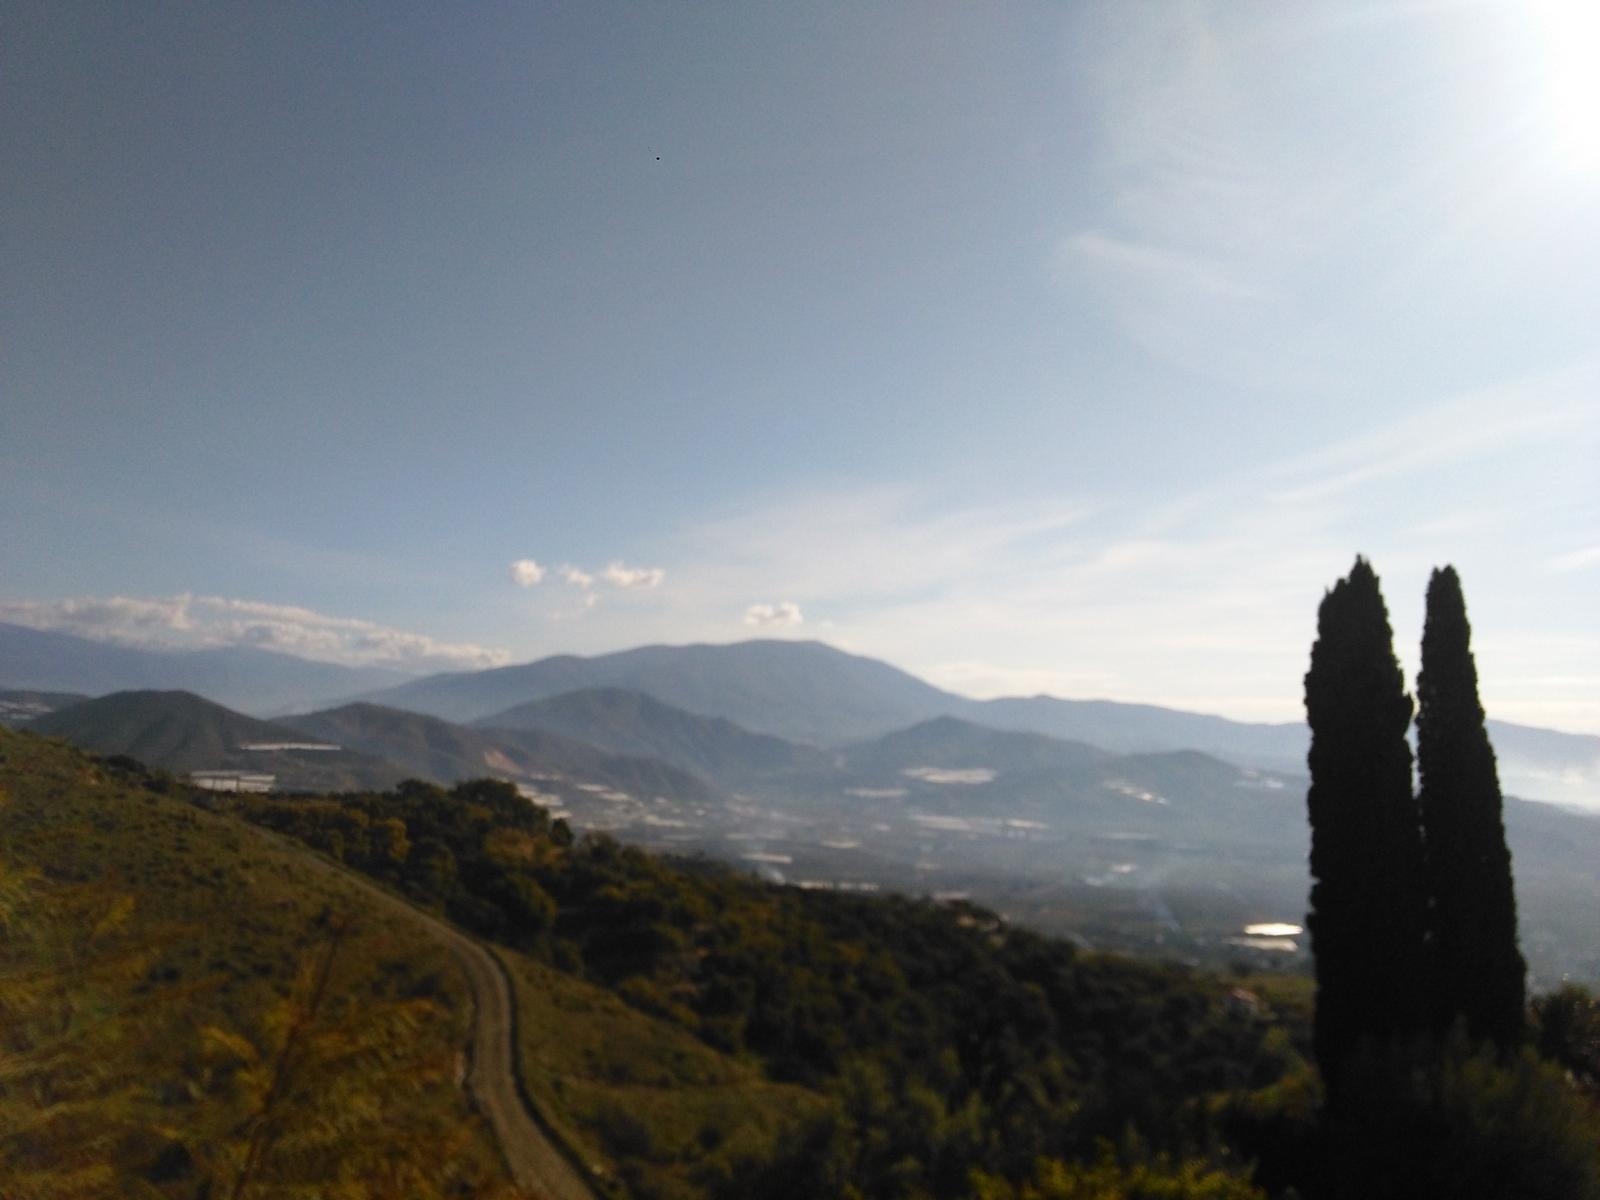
(1476,424)
(782,615)
(1160,268)
(616,574)
(1206,600)
(1210,218)
(621,576)
(865,544)
(576,576)
(190,622)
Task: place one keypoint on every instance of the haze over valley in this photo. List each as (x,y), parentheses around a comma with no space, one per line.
(1126,827)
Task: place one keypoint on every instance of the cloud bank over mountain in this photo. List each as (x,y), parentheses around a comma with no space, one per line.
(191,622)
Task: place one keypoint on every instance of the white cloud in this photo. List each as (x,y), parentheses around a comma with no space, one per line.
(188,622)
(868,544)
(784,614)
(576,576)
(620,576)
(526,573)
(1483,423)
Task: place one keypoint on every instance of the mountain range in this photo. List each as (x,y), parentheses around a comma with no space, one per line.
(806,693)
(811,693)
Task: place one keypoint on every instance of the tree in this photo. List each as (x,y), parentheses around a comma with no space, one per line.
(1479,972)
(1368,906)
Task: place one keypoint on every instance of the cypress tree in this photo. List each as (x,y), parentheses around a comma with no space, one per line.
(1368,904)
(1479,972)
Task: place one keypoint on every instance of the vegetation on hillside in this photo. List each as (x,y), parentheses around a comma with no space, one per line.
(190,1008)
(944,1041)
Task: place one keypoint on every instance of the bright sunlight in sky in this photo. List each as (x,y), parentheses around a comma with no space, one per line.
(1568,34)
(1031,347)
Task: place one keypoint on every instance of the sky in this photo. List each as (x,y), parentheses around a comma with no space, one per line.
(1070,348)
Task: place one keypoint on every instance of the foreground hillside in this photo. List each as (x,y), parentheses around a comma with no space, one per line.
(188,1003)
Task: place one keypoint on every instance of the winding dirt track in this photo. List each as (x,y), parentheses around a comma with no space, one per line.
(536,1165)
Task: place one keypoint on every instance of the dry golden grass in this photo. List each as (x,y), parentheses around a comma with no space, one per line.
(191,1006)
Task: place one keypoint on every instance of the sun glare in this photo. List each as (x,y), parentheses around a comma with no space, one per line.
(1568,39)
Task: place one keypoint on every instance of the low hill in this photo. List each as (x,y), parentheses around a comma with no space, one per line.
(948,742)
(182,732)
(156,958)
(434,749)
(627,722)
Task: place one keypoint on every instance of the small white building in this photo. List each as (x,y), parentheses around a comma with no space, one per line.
(232,781)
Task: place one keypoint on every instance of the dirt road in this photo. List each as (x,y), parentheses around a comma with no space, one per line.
(536,1165)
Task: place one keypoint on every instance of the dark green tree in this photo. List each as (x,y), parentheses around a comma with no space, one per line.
(1368,906)
(1479,972)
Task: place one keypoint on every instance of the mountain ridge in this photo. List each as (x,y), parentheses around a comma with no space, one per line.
(800,691)
(449,753)
(630,722)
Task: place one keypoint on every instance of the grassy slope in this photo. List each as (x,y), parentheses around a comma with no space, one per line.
(639,1098)
(219,921)
(157,958)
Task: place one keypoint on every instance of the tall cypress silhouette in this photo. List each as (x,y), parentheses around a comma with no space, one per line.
(1368,906)
(1480,973)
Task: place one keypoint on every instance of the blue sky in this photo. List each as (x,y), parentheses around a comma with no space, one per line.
(1068,348)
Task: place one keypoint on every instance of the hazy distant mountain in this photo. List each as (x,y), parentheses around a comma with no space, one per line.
(954,766)
(951,743)
(802,691)
(182,732)
(809,692)
(1136,728)
(435,749)
(1547,765)
(1541,764)
(255,681)
(628,722)
(19,708)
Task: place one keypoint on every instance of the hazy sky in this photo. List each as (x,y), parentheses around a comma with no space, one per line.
(1032,347)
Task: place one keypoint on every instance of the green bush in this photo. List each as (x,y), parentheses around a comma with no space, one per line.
(1463,1123)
